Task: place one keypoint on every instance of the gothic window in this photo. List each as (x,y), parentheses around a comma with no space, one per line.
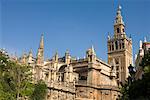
(118,85)
(117,75)
(120,44)
(116,44)
(117,68)
(112,46)
(122,68)
(123,45)
(118,30)
(112,67)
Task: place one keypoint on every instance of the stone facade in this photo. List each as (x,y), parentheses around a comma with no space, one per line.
(96,79)
(88,78)
(68,78)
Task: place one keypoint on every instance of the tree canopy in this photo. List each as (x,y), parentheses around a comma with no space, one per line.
(39,91)
(139,89)
(16,81)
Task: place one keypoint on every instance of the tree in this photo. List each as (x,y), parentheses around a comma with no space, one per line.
(15,79)
(40,91)
(139,89)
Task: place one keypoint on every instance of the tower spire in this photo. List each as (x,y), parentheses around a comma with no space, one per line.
(119,26)
(119,19)
(40,54)
(42,41)
(92,49)
(30,52)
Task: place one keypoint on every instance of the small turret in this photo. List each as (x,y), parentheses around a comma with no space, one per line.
(24,58)
(90,54)
(56,57)
(30,57)
(67,57)
(93,51)
(42,42)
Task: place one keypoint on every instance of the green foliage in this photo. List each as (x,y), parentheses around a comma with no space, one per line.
(125,92)
(139,89)
(16,81)
(40,91)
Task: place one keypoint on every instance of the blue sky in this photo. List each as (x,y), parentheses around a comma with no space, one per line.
(69,24)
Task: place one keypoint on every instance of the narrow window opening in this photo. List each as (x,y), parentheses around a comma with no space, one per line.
(120,44)
(112,47)
(117,75)
(112,67)
(118,30)
(116,43)
(123,45)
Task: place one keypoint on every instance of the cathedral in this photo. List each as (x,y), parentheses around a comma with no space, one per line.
(88,78)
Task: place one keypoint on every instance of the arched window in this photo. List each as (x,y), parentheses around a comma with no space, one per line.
(116,44)
(123,45)
(112,46)
(117,75)
(120,44)
(118,30)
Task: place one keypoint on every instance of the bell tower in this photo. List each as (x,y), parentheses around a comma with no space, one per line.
(119,48)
